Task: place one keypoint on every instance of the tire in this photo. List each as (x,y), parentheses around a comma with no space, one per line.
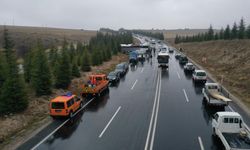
(81,105)
(214,134)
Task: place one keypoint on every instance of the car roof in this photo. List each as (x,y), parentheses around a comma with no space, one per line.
(200,71)
(213,84)
(228,114)
(62,98)
(189,64)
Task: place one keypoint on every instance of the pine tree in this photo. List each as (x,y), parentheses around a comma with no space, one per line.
(248,32)
(210,34)
(75,70)
(216,36)
(241,29)
(227,33)
(27,66)
(234,32)
(40,73)
(221,34)
(63,71)
(12,96)
(85,65)
(2,70)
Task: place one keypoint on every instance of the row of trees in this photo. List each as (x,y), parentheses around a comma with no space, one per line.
(157,35)
(54,68)
(236,32)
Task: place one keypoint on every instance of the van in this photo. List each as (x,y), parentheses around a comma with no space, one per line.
(65,105)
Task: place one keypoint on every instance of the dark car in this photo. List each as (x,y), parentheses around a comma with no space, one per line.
(126,65)
(121,68)
(113,77)
(177,56)
(183,60)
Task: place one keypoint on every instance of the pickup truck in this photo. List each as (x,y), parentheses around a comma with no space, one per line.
(213,96)
(97,84)
(230,128)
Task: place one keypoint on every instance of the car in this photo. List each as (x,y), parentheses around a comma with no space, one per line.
(199,76)
(183,60)
(65,105)
(126,65)
(189,67)
(177,55)
(121,68)
(170,50)
(113,77)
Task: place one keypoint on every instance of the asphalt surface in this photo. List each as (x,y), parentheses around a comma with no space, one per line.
(150,108)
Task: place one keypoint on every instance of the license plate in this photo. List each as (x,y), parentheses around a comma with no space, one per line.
(58,110)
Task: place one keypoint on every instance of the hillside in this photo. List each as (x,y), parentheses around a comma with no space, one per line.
(24,37)
(228,61)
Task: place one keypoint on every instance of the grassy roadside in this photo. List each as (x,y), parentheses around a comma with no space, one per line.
(17,128)
(227,61)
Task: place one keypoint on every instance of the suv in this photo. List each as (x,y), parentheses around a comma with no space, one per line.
(177,55)
(126,65)
(121,68)
(189,67)
(199,75)
(183,60)
(65,105)
(113,77)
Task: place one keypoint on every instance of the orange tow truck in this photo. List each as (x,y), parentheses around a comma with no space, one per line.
(97,84)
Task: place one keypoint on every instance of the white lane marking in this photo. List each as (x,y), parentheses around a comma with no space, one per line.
(201,144)
(152,115)
(178,75)
(142,70)
(38,144)
(134,84)
(103,131)
(184,91)
(156,116)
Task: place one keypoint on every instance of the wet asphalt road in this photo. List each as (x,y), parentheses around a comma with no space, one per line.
(122,118)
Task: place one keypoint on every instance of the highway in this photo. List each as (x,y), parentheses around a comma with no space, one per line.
(150,109)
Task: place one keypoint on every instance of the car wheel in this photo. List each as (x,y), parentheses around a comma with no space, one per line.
(81,105)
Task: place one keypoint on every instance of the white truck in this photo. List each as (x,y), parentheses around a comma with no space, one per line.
(213,96)
(231,130)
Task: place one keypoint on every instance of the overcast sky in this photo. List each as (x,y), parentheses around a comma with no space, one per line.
(129,14)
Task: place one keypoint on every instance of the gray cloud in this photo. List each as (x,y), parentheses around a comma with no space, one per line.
(147,14)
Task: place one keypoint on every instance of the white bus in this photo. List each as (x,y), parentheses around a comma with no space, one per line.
(162,58)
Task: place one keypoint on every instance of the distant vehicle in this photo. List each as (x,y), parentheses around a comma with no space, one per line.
(113,77)
(230,128)
(183,60)
(65,105)
(171,50)
(163,58)
(213,96)
(126,65)
(199,76)
(189,67)
(97,84)
(121,68)
(133,57)
(177,55)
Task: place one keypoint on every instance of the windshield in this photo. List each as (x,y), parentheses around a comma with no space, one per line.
(201,74)
(162,59)
(111,74)
(119,67)
(57,105)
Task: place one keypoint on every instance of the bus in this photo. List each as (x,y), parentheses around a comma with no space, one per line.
(162,58)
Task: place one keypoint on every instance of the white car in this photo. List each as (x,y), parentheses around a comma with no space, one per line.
(189,67)
(199,76)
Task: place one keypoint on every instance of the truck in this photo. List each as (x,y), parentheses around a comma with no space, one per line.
(230,128)
(96,84)
(133,57)
(213,96)
(163,58)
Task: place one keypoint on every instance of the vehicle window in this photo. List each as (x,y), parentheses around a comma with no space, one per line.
(236,120)
(225,120)
(231,120)
(216,116)
(70,102)
(98,78)
(111,74)
(201,74)
(76,99)
(57,105)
